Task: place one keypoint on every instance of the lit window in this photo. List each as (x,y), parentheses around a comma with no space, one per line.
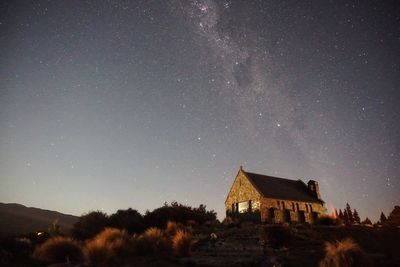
(243,206)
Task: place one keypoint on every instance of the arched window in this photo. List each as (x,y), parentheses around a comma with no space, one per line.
(306,207)
(297,206)
(293,206)
(283,205)
(311,208)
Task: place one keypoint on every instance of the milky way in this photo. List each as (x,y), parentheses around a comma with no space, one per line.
(116,104)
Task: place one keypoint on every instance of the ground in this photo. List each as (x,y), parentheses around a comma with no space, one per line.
(268,245)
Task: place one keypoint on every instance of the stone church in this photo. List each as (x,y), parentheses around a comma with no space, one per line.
(278,200)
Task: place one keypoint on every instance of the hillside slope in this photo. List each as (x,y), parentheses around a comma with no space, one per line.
(18,219)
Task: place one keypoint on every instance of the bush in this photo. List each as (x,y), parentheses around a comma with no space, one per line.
(345,253)
(327,220)
(182,243)
(153,242)
(178,213)
(130,220)
(108,247)
(58,249)
(252,216)
(231,222)
(172,228)
(90,224)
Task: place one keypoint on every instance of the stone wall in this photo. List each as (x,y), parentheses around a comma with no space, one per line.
(242,190)
(283,209)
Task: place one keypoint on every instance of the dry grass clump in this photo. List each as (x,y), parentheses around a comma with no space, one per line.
(58,249)
(108,247)
(153,242)
(182,243)
(345,253)
(172,228)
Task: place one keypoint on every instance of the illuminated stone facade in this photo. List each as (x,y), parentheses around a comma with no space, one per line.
(254,192)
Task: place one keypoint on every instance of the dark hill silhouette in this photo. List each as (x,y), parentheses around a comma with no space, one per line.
(18,219)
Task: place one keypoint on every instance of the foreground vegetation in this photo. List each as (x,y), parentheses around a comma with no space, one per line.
(177,235)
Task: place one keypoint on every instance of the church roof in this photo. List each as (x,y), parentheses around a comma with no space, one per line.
(280,188)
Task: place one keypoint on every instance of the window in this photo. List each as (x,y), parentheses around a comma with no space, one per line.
(293,206)
(243,206)
(283,205)
(306,207)
(311,208)
(279,205)
(255,205)
(297,206)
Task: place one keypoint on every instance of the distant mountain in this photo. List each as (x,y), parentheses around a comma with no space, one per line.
(18,219)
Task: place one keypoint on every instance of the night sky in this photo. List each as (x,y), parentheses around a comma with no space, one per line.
(115,104)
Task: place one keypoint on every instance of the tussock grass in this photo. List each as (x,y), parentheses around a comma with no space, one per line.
(345,253)
(57,250)
(154,242)
(182,243)
(108,247)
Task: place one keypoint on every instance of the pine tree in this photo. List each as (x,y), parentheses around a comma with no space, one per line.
(394,217)
(367,221)
(356,217)
(346,217)
(383,218)
(341,215)
(350,216)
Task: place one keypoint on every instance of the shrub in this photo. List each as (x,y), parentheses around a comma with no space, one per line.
(172,228)
(179,213)
(130,220)
(345,253)
(58,249)
(327,220)
(251,216)
(153,242)
(108,247)
(89,225)
(182,243)
(231,222)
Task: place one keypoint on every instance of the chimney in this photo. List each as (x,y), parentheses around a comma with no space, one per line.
(314,188)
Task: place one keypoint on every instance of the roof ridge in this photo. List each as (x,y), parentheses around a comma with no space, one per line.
(269,176)
(277,187)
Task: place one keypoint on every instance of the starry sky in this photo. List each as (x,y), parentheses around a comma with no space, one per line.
(115,104)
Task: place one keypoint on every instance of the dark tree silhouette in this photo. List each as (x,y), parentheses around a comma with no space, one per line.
(90,224)
(350,216)
(383,218)
(394,217)
(356,217)
(366,221)
(346,217)
(130,220)
(178,213)
(341,215)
